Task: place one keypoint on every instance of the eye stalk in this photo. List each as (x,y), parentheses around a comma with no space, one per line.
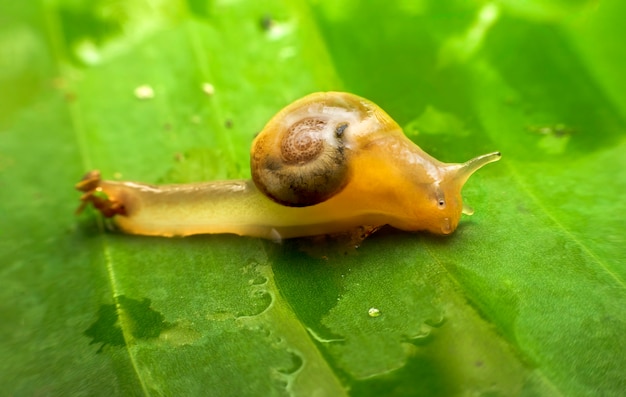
(468,168)
(330,162)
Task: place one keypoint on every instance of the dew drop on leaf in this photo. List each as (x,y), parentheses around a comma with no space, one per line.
(373,312)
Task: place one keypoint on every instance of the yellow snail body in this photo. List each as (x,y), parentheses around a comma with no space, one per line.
(328,163)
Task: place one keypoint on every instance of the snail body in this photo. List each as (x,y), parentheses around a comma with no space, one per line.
(328,163)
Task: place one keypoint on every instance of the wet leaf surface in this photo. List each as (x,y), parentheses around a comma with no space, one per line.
(527,297)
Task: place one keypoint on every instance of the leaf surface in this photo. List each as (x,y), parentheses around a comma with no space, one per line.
(527,297)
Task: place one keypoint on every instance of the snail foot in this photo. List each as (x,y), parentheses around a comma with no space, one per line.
(92,193)
(358,235)
(330,245)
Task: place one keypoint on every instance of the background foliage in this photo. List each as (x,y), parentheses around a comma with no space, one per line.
(526,298)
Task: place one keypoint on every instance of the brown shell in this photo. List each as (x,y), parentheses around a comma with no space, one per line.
(303,155)
(309,166)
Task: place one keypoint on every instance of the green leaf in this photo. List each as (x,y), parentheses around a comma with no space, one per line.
(527,297)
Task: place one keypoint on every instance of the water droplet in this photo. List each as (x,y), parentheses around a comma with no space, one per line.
(208,89)
(144,92)
(88,52)
(373,312)
(279,30)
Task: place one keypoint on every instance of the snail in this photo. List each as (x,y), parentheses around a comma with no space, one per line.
(328,163)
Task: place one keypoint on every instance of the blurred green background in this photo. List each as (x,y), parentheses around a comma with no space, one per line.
(527,297)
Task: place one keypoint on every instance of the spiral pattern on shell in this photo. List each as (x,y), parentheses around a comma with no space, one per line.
(302,161)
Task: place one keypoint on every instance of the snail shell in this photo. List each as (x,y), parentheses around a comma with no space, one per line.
(303,155)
